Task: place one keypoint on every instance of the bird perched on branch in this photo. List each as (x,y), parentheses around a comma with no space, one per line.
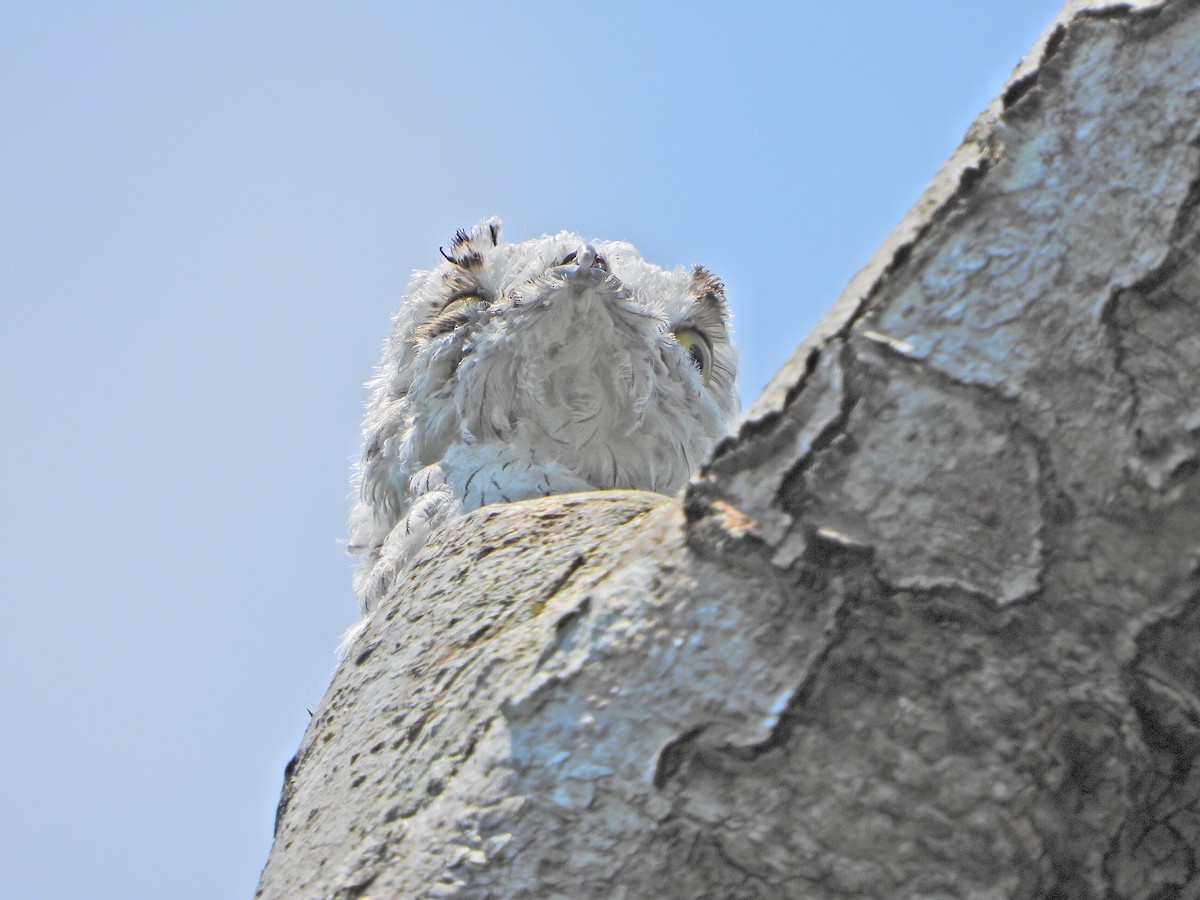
(542,367)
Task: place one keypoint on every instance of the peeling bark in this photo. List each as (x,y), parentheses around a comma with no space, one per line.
(926,626)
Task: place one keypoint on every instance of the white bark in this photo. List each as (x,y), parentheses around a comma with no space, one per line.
(926,627)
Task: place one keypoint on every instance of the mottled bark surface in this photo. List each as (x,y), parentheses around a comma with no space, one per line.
(928,626)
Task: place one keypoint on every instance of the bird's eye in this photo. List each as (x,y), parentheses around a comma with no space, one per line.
(698,348)
(454,312)
(461,303)
(570,258)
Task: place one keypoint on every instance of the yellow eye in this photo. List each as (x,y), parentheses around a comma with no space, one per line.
(461,303)
(698,348)
(454,312)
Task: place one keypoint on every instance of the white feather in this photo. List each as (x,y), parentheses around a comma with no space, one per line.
(540,378)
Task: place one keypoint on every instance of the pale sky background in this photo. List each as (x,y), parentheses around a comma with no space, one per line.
(208,213)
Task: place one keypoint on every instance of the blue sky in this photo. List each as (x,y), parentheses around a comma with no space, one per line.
(208,213)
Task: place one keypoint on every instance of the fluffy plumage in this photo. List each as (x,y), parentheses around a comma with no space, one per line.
(523,370)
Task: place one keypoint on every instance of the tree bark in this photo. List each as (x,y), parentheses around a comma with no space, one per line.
(927,626)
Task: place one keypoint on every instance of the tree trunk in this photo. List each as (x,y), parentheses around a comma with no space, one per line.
(927,626)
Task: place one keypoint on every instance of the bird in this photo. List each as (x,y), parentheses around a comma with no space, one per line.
(521,370)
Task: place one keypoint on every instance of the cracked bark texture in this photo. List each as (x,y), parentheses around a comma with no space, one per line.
(926,627)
